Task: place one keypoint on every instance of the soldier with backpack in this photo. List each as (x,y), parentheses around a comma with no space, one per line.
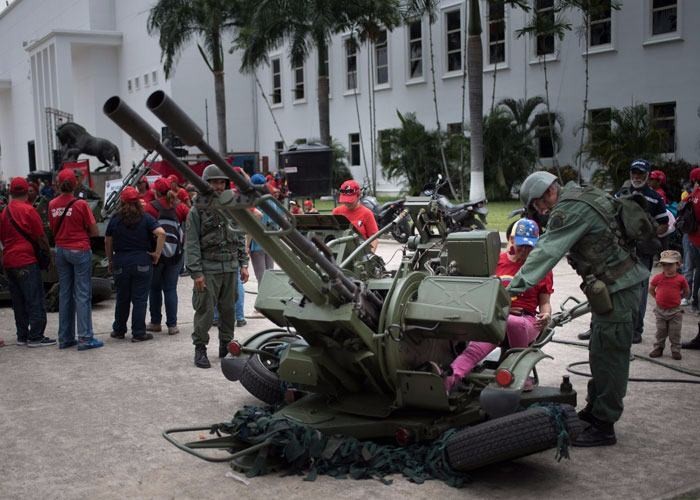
(587,225)
(171,214)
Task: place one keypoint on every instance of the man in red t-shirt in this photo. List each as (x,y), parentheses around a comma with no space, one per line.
(360,216)
(524,321)
(21,265)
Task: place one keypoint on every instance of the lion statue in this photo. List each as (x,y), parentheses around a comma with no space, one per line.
(75,140)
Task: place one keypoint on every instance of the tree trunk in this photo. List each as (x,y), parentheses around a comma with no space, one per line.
(586,23)
(324,119)
(220,97)
(550,122)
(477,188)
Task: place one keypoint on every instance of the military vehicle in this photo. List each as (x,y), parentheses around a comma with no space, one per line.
(356,343)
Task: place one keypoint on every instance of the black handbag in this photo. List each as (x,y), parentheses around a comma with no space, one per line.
(43,255)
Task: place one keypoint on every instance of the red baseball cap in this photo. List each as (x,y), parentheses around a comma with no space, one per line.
(129,195)
(67,175)
(173,178)
(19,186)
(162,185)
(695,175)
(349,191)
(308,203)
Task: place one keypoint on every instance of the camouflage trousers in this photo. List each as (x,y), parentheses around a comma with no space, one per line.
(609,355)
(220,292)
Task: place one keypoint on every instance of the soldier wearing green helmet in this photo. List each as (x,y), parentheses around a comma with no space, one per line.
(581,226)
(214,251)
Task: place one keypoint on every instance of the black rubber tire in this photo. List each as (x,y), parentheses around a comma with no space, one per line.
(401,231)
(101,289)
(261,380)
(508,438)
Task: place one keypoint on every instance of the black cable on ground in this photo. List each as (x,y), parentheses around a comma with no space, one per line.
(684,371)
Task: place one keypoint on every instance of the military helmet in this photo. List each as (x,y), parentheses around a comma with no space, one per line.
(212,172)
(535,185)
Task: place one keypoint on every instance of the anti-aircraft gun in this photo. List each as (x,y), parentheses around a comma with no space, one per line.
(367,337)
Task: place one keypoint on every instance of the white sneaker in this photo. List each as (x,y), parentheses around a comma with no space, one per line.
(684,302)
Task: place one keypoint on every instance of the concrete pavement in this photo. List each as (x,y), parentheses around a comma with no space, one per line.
(87,424)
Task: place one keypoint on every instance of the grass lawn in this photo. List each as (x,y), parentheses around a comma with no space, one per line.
(497,218)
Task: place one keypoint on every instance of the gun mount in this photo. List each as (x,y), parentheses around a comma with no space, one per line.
(363,336)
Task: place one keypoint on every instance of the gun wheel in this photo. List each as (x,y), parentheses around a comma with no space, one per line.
(510,437)
(259,375)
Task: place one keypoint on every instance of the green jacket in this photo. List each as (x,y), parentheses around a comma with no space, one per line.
(576,227)
(213,244)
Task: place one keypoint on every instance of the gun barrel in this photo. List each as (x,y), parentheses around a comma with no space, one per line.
(177,120)
(130,122)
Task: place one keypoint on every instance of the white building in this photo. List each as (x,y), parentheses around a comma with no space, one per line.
(72,55)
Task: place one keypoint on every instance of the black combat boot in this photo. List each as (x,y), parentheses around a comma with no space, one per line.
(598,433)
(694,343)
(223,349)
(585,335)
(200,357)
(586,414)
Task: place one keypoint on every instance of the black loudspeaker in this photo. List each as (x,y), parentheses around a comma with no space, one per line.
(31,153)
(308,169)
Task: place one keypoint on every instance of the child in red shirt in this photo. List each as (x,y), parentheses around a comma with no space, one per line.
(668,287)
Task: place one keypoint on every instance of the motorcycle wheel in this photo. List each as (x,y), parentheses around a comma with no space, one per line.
(259,375)
(401,231)
(510,437)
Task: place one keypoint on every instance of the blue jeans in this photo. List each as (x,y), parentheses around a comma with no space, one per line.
(648,262)
(27,293)
(132,284)
(164,285)
(240,298)
(75,294)
(688,262)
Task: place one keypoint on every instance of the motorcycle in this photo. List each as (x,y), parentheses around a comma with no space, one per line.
(385,214)
(465,216)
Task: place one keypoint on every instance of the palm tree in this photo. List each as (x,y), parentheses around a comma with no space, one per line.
(555,26)
(307,25)
(177,22)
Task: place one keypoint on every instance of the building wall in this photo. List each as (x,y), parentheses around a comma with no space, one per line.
(636,68)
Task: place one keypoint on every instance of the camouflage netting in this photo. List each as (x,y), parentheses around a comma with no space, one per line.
(305,450)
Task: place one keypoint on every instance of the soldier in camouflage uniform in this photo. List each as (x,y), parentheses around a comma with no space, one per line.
(214,251)
(611,275)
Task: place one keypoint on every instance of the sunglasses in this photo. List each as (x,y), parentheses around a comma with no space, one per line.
(349,190)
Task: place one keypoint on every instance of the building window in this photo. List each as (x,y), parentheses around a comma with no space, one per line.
(276,81)
(384,139)
(664,16)
(146,79)
(545,146)
(279,148)
(354,140)
(415,49)
(497,33)
(137,83)
(129,87)
(600,29)
(299,82)
(350,64)
(154,77)
(454,40)
(599,121)
(544,10)
(663,117)
(381,59)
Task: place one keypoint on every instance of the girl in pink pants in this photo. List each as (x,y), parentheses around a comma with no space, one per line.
(524,322)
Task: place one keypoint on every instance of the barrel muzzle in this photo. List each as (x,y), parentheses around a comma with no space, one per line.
(131,123)
(171,114)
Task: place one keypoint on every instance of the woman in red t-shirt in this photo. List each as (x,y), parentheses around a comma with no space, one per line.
(524,322)
(73,224)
